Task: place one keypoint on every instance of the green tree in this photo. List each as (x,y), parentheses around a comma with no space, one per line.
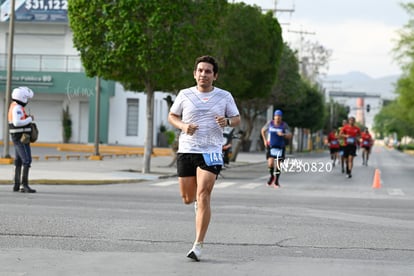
(399,115)
(288,90)
(335,113)
(66,125)
(393,119)
(404,49)
(304,108)
(315,60)
(389,120)
(405,100)
(313,108)
(249,53)
(144,45)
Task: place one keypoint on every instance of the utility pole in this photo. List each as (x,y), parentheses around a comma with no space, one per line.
(6,155)
(301,33)
(332,109)
(275,10)
(302,59)
(332,84)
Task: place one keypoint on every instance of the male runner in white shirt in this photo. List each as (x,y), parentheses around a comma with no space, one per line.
(201,112)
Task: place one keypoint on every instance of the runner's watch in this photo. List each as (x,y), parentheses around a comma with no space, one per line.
(228,122)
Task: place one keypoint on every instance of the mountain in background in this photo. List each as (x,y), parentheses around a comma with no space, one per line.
(360,82)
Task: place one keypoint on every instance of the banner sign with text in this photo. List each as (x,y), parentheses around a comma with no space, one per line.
(35,10)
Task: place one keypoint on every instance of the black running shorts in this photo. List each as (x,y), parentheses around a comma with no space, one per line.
(368,148)
(187,164)
(333,150)
(349,150)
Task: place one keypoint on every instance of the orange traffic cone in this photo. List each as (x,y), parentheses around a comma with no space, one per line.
(376,184)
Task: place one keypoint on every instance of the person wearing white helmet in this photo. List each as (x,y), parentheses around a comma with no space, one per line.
(20,129)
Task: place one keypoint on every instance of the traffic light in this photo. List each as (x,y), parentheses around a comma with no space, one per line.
(368,107)
(348,109)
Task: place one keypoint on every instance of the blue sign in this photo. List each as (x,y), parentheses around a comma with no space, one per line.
(36,10)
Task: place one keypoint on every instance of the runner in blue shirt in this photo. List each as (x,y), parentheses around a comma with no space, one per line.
(274,134)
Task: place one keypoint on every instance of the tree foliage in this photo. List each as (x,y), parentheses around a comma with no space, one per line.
(296,96)
(405,99)
(404,49)
(151,45)
(144,45)
(249,53)
(335,113)
(314,60)
(287,92)
(390,120)
(312,108)
(398,116)
(137,43)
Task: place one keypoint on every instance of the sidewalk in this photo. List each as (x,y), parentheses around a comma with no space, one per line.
(122,169)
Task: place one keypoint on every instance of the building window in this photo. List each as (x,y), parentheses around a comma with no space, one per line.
(132,117)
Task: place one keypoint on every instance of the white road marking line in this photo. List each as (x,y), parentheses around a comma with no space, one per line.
(217,185)
(395,192)
(251,186)
(222,185)
(165,183)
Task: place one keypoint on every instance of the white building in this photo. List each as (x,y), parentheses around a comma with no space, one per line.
(45,60)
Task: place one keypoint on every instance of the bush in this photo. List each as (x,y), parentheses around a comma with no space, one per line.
(170,137)
(408,147)
(67,125)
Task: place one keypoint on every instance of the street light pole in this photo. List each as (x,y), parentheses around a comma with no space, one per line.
(6,148)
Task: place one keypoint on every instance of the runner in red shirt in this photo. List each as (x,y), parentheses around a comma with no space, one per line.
(333,145)
(351,133)
(342,145)
(366,144)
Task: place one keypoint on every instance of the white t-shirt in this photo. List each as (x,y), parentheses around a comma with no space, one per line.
(201,108)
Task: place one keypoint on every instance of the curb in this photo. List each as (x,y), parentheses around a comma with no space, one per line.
(89,181)
(75,182)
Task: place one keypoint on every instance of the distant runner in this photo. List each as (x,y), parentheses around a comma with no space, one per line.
(333,146)
(274,134)
(366,144)
(351,133)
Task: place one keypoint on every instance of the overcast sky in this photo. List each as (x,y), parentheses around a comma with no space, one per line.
(361,33)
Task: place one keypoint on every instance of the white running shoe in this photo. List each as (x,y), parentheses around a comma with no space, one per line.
(195,252)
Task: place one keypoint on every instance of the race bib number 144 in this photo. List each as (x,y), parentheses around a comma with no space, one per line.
(213,158)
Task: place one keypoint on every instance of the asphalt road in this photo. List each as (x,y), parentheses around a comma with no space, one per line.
(317,223)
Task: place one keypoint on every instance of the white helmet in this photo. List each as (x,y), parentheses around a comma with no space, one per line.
(22,94)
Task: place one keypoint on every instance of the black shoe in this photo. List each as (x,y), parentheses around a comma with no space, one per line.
(271,179)
(349,175)
(16,188)
(277,185)
(27,189)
